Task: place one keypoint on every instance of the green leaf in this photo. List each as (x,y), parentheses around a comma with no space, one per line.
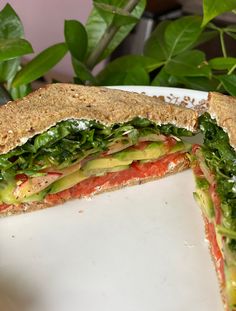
(82,72)
(10,28)
(155,46)
(117,15)
(189,63)
(10,25)
(96,27)
(199,83)
(103,10)
(41,64)
(182,33)
(14,47)
(76,39)
(20,91)
(229,83)
(213,8)
(8,69)
(205,36)
(133,76)
(164,79)
(125,64)
(222,63)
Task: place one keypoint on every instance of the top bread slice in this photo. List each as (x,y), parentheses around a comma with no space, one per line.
(35,113)
(223,109)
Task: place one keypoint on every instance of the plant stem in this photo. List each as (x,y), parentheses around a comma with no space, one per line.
(222,42)
(231,70)
(107,37)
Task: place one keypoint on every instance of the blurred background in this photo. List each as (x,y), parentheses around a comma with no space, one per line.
(44,24)
(44,20)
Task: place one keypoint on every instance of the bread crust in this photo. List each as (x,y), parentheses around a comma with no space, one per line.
(223,109)
(182,164)
(35,113)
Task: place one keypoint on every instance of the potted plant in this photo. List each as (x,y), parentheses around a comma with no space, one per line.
(171,55)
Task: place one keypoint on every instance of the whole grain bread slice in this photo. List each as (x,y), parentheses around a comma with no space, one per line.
(35,113)
(223,109)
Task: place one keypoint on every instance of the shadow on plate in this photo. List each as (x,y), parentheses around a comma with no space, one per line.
(15,294)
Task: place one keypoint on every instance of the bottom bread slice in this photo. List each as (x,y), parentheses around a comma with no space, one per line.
(138,173)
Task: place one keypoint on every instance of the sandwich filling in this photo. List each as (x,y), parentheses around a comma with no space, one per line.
(214,166)
(86,153)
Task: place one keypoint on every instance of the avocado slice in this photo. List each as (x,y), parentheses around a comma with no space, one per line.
(73,179)
(6,192)
(202,196)
(230,272)
(181,146)
(37,197)
(107,162)
(102,171)
(67,181)
(152,151)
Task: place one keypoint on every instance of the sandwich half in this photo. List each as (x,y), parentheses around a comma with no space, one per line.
(214,166)
(68,141)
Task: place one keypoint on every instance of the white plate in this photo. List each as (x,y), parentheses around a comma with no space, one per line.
(137,249)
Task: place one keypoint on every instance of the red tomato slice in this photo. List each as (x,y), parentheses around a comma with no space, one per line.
(22,177)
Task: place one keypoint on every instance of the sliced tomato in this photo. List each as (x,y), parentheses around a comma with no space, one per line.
(136,171)
(21,177)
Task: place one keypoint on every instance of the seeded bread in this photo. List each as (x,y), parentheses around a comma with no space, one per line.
(223,109)
(35,113)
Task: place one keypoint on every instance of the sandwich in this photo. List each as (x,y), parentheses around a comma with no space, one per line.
(68,141)
(214,167)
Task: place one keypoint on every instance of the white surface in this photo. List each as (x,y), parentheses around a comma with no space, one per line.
(137,249)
